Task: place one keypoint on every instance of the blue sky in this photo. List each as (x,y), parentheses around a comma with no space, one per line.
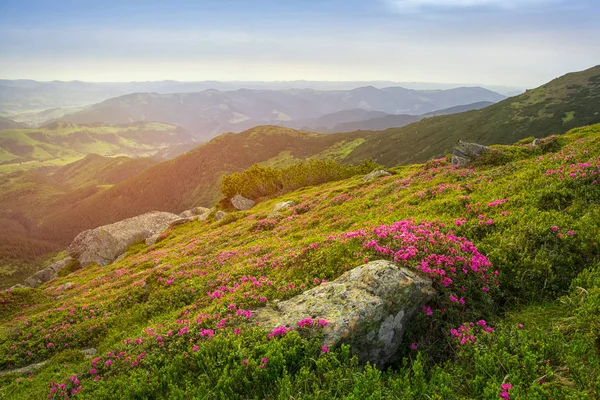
(496,42)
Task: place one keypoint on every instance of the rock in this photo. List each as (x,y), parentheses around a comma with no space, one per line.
(241,203)
(88,353)
(66,286)
(104,244)
(19,286)
(59,265)
(220,215)
(367,308)
(375,174)
(204,217)
(194,212)
(275,215)
(536,142)
(48,273)
(25,370)
(151,240)
(464,152)
(40,277)
(282,205)
(91,352)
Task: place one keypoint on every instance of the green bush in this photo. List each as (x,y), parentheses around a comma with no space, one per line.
(259,182)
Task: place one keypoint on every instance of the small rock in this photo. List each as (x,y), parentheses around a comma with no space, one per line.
(204,217)
(220,215)
(375,174)
(91,352)
(40,277)
(19,286)
(66,286)
(241,203)
(194,212)
(536,142)
(283,204)
(25,370)
(275,215)
(59,265)
(464,153)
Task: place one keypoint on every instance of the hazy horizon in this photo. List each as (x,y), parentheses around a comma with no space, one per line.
(468,42)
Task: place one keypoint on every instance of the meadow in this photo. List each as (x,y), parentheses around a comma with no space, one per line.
(512,244)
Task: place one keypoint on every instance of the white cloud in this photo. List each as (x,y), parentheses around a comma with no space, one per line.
(415,5)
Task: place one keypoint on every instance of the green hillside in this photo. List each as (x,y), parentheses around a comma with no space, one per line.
(61,143)
(28,197)
(518,233)
(193,178)
(7,123)
(96,170)
(567,102)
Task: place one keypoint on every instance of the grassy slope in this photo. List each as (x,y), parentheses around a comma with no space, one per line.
(551,356)
(7,123)
(96,170)
(537,112)
(62,143)
(27,197)
(192,179)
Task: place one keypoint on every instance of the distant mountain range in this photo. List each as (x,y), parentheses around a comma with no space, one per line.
(354,120)
(19,96)
(209,113)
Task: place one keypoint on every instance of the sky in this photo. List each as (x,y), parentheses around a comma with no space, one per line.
(520,43)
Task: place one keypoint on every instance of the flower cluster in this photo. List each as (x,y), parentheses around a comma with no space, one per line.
(466,333)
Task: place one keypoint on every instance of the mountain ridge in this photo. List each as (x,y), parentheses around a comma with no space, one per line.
(211,112)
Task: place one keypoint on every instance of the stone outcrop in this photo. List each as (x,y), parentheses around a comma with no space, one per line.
(375,174)
(277,208)
(464,153)
(219,215)
(48,273)
(241,203)
(104,244)
(367,308)
(88,353)
(282,205)
(196,213)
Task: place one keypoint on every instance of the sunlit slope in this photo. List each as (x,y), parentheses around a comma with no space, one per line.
(166,324)
(567,102)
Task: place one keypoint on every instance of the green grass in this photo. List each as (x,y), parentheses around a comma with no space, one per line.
(61,143)
(556,107)
(549,281)
(569,115)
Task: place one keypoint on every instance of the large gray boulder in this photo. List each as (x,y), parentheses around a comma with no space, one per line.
(104,244)
(48,273)
(367,308)
(241,203)
(375,174)
(464,153)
